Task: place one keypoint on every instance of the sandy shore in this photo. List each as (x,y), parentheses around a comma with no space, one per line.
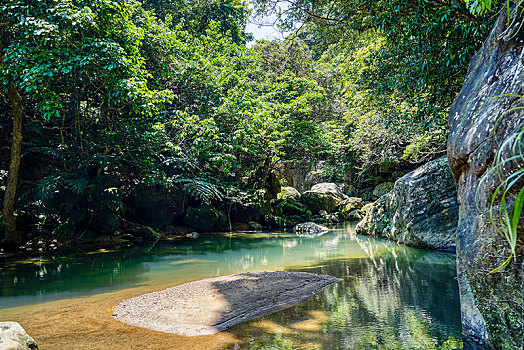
(212,305)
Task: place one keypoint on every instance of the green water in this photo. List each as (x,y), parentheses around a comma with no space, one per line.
(391,296)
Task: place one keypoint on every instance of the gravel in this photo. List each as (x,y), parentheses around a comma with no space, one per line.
(212,305)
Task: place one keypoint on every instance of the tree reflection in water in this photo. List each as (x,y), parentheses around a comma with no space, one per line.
(399,299)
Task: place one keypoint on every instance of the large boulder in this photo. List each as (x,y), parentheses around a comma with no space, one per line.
(482,126)
(350,204)
(288,192)
(323,196)
(310,228)
(14,337)
(420,211)
(290,207)
(318,201)
(328,188)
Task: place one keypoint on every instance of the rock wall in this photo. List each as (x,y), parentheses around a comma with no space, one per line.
(481,123)
(300,174)
(420,211)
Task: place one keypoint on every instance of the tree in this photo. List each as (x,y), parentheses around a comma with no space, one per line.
(77,63)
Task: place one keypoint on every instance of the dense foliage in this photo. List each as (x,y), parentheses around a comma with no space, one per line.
(112,94)
(402,62)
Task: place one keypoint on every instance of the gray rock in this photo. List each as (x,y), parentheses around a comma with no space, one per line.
(287,192)
(355,215)
(193,235)
(14,337)
(420,211)
(331,218)
(328,188)
(382,189)
(350,204)
(319,201)
(310,228)
(480,125)
(300,174)
(324,196)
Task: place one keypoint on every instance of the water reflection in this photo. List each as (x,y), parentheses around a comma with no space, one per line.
(391,296)
(402,299)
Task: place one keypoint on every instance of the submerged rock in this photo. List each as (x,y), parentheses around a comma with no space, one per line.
(483,125)
(420,211)
(14,337)
(212,305)
(310,228)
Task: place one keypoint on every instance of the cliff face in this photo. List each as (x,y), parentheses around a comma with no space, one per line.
(483,127)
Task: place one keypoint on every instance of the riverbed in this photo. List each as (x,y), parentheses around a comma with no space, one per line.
(391,296)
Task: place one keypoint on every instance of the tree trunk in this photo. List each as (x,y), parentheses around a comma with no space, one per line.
(12,237)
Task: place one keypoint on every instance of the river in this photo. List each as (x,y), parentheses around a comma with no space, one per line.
(391,296)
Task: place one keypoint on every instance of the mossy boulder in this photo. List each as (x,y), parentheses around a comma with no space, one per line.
(319,201)
(205,218)
(289,193)
(290,207)
(253,225)
(350,204)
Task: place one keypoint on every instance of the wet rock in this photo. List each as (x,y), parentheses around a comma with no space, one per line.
(310,228)
(14,337)
(289,193)
(193,235)
(420,211)
(482,127)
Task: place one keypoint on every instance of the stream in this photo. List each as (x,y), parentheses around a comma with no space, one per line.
(391,296)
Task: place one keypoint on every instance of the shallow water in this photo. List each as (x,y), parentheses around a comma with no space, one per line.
(391,296)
